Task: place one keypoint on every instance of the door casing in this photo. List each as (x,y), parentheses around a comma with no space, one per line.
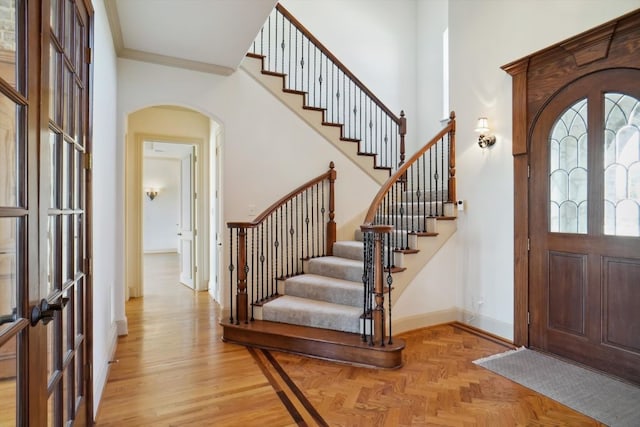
(134,274)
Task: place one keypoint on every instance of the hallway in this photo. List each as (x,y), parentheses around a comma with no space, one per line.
(173,370)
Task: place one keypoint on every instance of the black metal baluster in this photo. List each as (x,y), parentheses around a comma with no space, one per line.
(254,281)
(261,262)
(238,267)
(289,61)
(274,252)
(324,222)
(231,282)
(309,79)
(410,189)
(291,239)
(318,225)
(313,231)
(282,44)
(444,174)
(431,176)
(299,265)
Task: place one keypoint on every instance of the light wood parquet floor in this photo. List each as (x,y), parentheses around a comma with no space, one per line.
(174,370)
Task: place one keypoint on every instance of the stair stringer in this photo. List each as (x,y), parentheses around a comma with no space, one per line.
(314,118)
(414,263)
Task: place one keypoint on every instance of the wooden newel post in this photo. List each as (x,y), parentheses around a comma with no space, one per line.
(378,311)
(331,225)
(403,132)
(452,158)
(242,302)
(378,288)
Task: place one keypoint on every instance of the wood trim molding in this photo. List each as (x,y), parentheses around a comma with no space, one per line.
(591,46)
(172,61)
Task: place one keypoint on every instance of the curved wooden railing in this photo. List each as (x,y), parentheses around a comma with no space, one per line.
(297,227)
(406,204)
(289,49)
(419,189)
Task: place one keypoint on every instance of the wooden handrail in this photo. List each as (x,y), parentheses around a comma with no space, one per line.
(400,173)
(336,61)
(330,175)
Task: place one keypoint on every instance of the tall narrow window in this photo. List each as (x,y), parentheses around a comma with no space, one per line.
(568,171)
(621,165)
(445,73)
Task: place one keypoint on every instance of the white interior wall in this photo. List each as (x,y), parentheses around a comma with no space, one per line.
(161,215)
(485,35)
(376,40)
(105,202)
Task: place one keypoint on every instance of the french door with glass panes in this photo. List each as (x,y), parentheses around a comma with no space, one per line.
(45,289)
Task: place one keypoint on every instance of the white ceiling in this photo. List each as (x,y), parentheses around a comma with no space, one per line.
(204,35)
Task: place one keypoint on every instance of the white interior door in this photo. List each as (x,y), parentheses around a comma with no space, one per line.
(187,232)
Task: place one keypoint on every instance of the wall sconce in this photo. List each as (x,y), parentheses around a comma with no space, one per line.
(484,140)
(151,193)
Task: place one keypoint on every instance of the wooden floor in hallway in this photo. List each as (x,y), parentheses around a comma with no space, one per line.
(174,370)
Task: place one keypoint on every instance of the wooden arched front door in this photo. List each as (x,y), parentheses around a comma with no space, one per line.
(584,280)
(576,148)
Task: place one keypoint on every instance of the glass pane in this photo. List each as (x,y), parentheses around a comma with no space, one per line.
(54,19)
(77,173)
(8,383)
(54,168)
(78,48)
(69,86)
(68,392)
(8,152)
(77,243)
(621,165)
(79,374)
(67,327)
(51,365)
(568,171)
(54,84)
(8,33)
(53,244)
(79,312)
(79,117)
(68,25)
(8,268)
(67,248)
(67,175)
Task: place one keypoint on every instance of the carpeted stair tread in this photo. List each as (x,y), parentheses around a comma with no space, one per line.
(340,268)
(328,289)
(317,314)
(351,249)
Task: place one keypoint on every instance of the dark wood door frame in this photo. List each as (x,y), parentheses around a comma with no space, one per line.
(536,79)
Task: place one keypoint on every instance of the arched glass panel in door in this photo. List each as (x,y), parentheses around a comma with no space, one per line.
(568,171)
(621,165)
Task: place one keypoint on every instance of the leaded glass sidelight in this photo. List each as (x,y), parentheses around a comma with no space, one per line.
(621,165)
(568,171)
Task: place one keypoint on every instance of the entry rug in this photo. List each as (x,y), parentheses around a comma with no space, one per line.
(598,396)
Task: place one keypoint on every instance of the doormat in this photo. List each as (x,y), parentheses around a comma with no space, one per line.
(598,396)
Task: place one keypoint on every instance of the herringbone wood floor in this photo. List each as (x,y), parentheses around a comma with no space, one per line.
(174,370)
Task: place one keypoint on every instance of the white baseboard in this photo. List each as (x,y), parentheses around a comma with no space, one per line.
(424,320)
(488,324)
(161,251)
(122,327)
(102,375)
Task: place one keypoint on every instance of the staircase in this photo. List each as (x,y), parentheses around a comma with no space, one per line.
(299,290)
